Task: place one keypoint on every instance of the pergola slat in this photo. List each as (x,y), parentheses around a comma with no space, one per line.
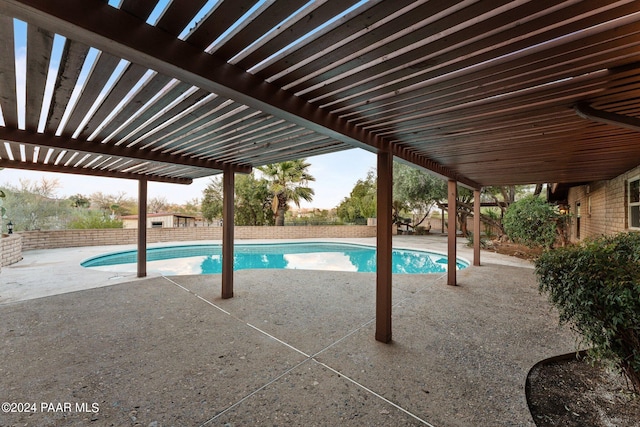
(143,95)
(343,38)
(129,79)
(39,44)
(449,61)
(178,15)
(100,74)
(223,17)
(8,94)
(64,143)
(298,30)
(139,8)
(71,62)
(259,26)
(478,93)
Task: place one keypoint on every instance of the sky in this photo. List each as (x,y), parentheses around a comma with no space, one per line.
(335,175)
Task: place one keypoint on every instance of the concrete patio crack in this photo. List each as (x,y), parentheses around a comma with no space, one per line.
(307,356)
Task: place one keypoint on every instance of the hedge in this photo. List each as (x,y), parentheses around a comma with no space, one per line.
(596,288)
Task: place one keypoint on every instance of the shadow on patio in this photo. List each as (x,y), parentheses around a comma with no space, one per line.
(291,348)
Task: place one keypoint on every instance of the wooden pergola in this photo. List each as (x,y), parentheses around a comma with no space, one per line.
(477,92)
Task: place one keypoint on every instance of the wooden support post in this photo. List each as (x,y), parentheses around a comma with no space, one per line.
(476,227)
(228,182)
(451,232)
(384,247)
(142,228)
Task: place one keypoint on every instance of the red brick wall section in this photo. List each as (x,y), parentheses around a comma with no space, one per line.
(608,214)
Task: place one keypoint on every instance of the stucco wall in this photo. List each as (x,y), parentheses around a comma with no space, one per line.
(10,249)
(72,238)
(608,213)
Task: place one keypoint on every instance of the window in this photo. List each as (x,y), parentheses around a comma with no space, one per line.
(156,224)
(578,220)
(634,202)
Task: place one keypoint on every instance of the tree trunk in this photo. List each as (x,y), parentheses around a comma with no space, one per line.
(462,221)
(280,216)
(282,208)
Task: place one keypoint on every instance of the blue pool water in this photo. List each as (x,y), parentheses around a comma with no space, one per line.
(207,259)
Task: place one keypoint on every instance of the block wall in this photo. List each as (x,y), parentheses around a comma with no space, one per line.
(73,238)
(10,249)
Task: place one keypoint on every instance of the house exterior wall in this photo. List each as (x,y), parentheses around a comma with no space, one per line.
(603,207)
(168,221)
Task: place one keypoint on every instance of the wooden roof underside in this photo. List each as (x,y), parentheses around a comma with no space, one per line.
(484,92)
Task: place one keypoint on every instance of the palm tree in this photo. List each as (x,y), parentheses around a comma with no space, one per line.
(288,183)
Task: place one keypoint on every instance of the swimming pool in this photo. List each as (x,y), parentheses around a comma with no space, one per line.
(207,259)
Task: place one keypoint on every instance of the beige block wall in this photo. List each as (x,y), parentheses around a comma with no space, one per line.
(10,249)
(608,214)
(73,238)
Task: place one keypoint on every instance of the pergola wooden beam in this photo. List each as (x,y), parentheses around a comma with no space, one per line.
(476,227)
(83,146)
(13,164)
(384,247)
(228,185)
(142,228)
(620,120)
(452,191)
(111,30)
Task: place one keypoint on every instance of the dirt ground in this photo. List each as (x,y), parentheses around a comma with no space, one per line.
(572,393)
(514,249)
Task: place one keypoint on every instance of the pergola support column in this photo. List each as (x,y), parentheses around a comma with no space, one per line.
(476,227)
(451,232)
(142,228)
(228,183)
(384,247)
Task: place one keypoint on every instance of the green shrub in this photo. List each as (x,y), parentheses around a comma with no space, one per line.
(532,221)
(484,243)
(93,220)
(596,289)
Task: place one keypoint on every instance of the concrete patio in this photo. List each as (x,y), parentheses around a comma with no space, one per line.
(292,347)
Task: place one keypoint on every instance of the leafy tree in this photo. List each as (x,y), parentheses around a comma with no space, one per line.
(502,196)
(532,221)
(2,208)
(361,203)
(314,217)
(417,191)
(32,205)
(288,182)
(212,200)
(252,201)
(157,204)
(79,201)
(463,212)
(191,207)
(93,220)
(115,204)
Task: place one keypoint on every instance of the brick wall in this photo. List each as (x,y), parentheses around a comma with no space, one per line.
(72,238)
(608,213)
(10,249)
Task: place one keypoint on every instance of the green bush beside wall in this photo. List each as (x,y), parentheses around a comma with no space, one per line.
(596,289)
